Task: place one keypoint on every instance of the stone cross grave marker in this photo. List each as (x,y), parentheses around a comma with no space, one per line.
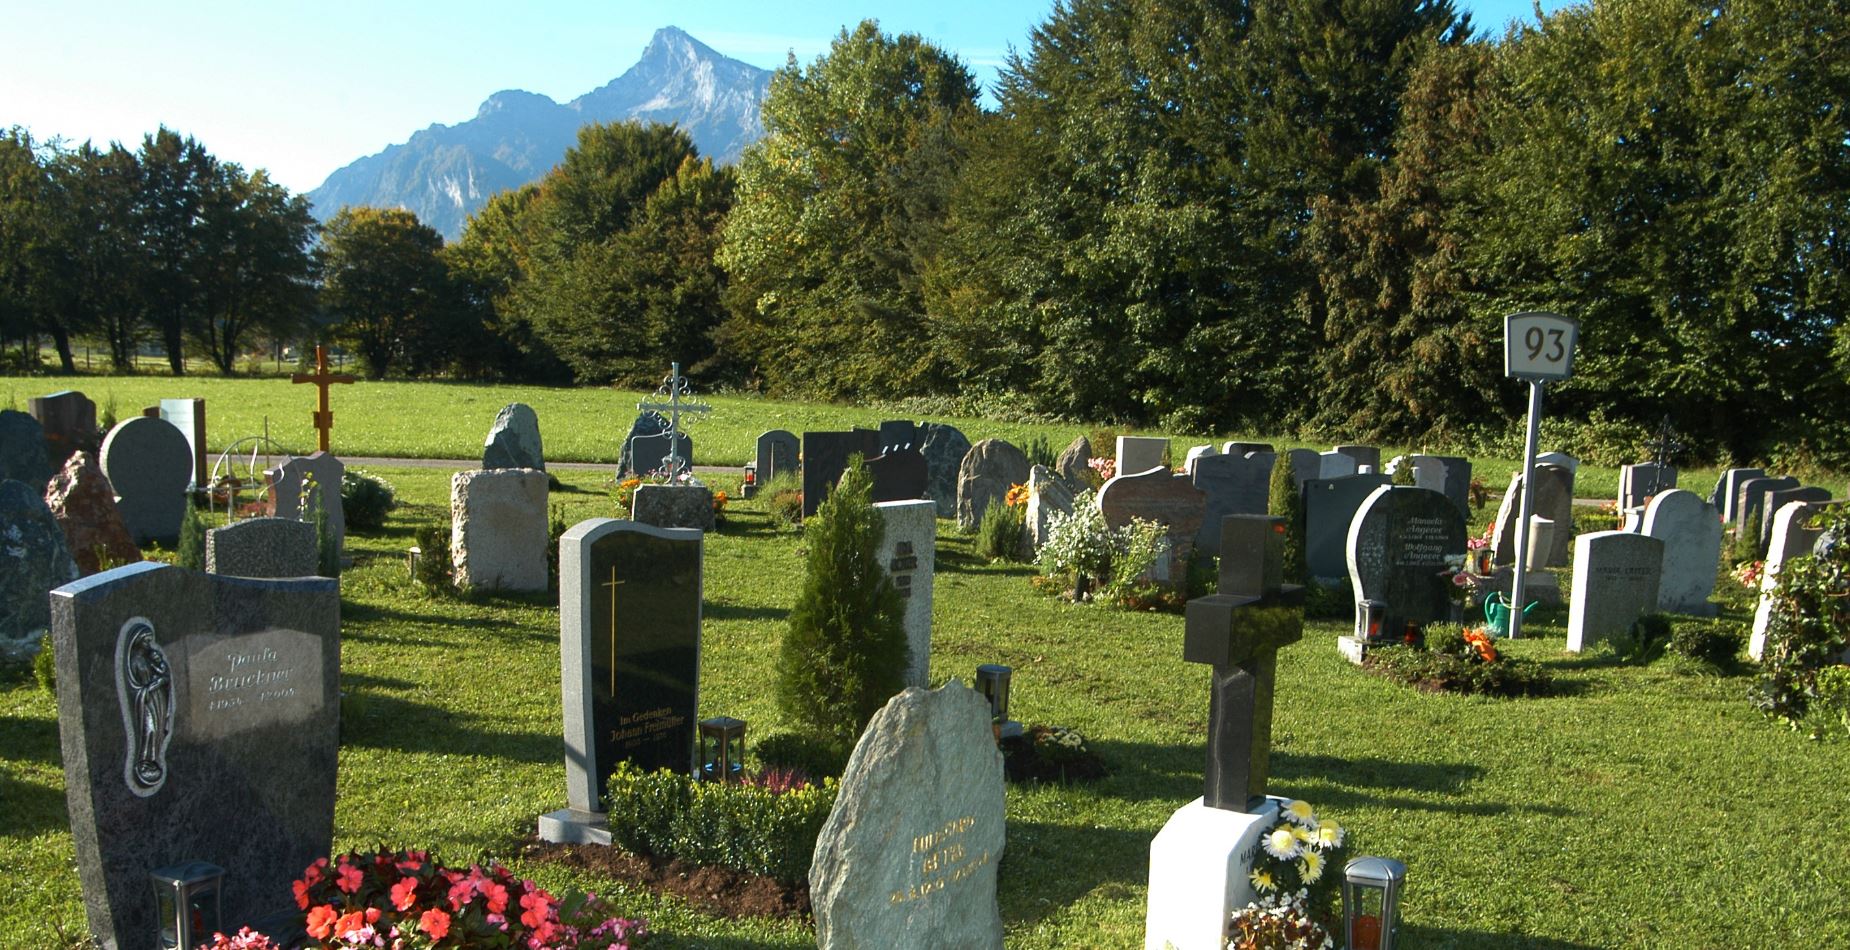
(907,858)
(1691,530)
(1402,544)
(1198,862)
(629,657)
(200,720)
(909,550)
(1616,576)
(149,464)
(668,398)
(322,379)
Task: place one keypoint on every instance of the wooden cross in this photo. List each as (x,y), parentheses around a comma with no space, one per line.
(674,387)
(1238,631)
(324,417)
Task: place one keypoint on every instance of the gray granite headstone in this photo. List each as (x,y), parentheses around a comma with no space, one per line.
(1398,549)
(1778,498)
(990,469)
(1048,495)
(22,450)
(514,439)
(1335,465)
(1751,495)
(200,720)
(1793,535)
(1449,475)
(909,550)
(1230,485)
(907,858)
(777,454)
(1363,454)
(674,506)
(149,464)
(1691,530)
(1330,505)
(68,419)
(1643,480)
(33,560)
(647,444)
(498,530)
(629,637)
(1160,495)
(1616,575)
(262,547)
(288,500)
(944,447)
(1554,500)
(1137,454)
(1306,464)
(1242,448)
(900,474)
(189,416)
(1727,488)
(1195,453)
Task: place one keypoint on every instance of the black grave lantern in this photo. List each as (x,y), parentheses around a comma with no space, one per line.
(1371,902)
(187,903)
(725,760)
(1369,615)
(992,680)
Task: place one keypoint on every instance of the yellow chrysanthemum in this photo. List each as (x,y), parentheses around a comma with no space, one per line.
(1330,835)
(1311,866)
(1300,811)
(1304,835)
(1262,881)
(1281,843)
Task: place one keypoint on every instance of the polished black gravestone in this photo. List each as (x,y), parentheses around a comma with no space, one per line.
(1238,631)
(1329,505)
(1231,485)
(68,418)
(629,636)
(1400,546)
(898,433)
(200,720)
(898,475)
(777,454)
(825,457)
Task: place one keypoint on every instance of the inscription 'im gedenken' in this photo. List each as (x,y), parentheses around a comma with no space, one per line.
(251,678)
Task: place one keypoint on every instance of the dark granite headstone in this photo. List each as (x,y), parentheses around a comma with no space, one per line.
(1725,490)
(1448,475)
(149,464)
(263,547)
(899,475)
(1772,501)
(1330,505)
(647,445)
(897,433)
(1637,483)
(777,454)
(944,448)
(22,450)
(200,720)
(33,560)
(1363,455)
(1750,495)
(1243,448)
(825,457)
(1398,548)
(1230,485)
(69,421)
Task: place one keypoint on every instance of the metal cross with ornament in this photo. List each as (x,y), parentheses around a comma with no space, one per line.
(673,388)
(1663,448)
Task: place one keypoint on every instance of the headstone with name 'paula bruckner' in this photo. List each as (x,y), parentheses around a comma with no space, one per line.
(199,721)
(629,658)
(908,856)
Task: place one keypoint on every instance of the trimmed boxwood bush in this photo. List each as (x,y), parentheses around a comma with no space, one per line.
(365,500)
(757,827)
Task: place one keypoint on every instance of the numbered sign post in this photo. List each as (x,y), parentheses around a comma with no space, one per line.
(1538,347)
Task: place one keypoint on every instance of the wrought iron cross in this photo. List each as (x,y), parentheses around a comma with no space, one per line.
(1663,447)
(1238,632)
(673,388)
(324,417)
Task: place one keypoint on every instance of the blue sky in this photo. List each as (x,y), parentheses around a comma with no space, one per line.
(304,88)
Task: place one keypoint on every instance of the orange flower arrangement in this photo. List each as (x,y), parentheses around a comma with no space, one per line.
(1480,640)
(1016,497)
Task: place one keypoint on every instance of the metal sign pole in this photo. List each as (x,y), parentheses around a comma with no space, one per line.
(1525,508)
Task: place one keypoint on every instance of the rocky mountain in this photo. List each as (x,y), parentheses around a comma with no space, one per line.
(445,172)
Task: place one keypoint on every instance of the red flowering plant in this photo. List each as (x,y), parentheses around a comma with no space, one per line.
(407,900)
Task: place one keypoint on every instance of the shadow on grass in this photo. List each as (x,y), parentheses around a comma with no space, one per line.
(1078,860)
(1414,935)
(713,611)
(370,613)
(31,809)
(30,740)
(376,720)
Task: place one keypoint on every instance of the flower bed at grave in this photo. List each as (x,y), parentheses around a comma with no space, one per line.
(1296,877)
(1457,660)
(1050,754)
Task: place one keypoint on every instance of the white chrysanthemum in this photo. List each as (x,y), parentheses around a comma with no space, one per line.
(1330,835)
(1300,811)
(1262,880)
(1310,865)
(1281,843)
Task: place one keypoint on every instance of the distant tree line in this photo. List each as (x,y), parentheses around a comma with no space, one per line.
(1293,216)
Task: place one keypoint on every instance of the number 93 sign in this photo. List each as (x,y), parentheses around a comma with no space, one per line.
(1539,346)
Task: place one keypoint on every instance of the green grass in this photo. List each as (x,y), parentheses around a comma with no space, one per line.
(1641,808)
(398,419)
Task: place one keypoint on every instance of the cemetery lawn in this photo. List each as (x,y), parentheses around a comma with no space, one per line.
(1641,808)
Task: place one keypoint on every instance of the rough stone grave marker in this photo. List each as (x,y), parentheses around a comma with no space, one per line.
(1230,485)
(1198,861)
(1163,496)
(262,547)
(1401,545)
(989,470)
(68,419)
(200,720)
(1138,454)
(907,858)
(149,465)
(674,506)
(498,533)
(514,439)
(944,447)
(22,449)
(1330,505)
(1616,576)
(629,656)
(1074,462)
(33,560)
(909,550)
(85,505)
(1691,530)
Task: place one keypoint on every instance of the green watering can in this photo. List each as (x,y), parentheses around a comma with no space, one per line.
(1497,614)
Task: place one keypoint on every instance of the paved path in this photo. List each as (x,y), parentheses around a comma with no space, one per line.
(462,465)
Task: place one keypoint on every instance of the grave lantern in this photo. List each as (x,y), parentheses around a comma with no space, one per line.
(725,760)
(992,680)
(1371,902)
(186,898)
(1368,617)
(412,556)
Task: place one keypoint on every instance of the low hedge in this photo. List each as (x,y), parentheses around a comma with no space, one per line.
(762,826)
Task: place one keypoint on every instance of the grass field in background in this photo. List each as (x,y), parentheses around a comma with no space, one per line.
(1643,807)
(398,419)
